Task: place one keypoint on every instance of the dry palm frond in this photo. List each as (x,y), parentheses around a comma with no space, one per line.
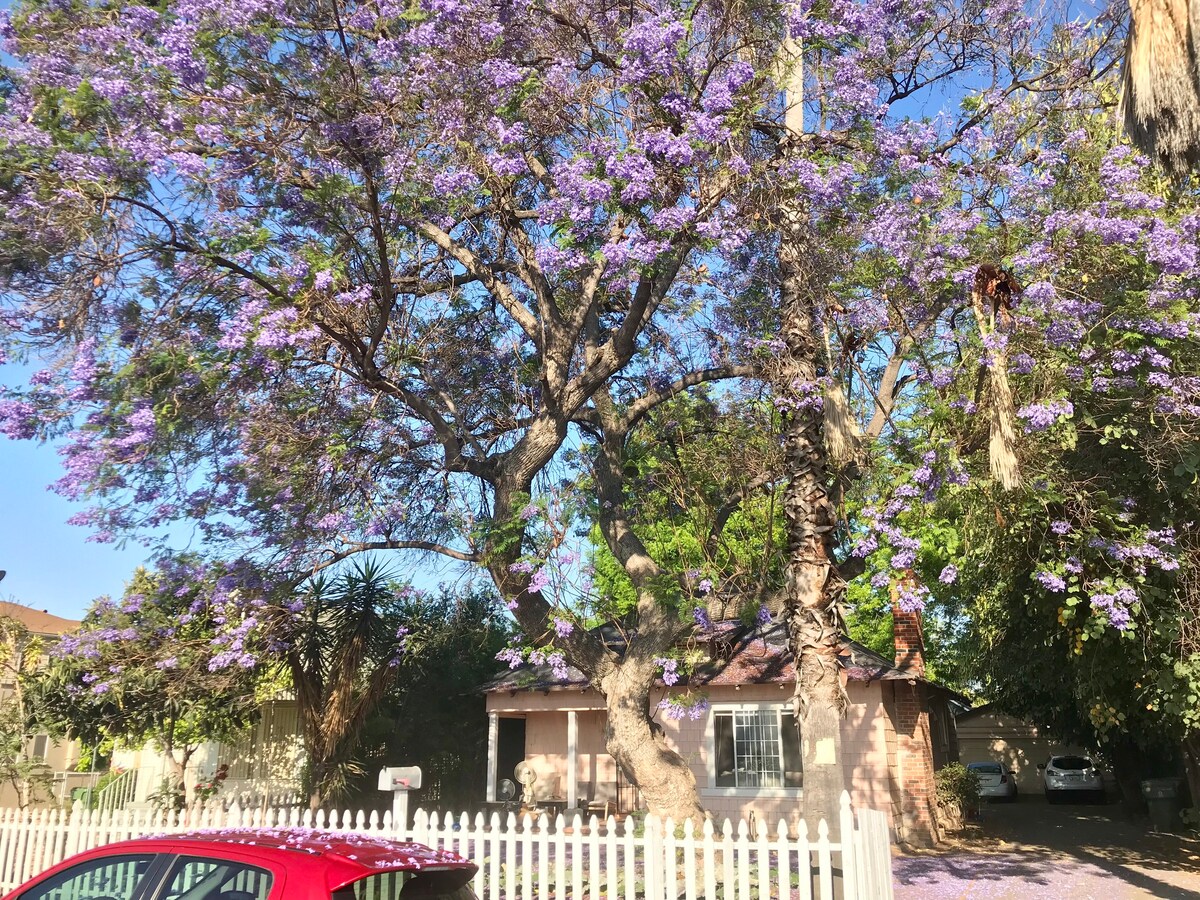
(997,287)
(1160,92)
(843,437)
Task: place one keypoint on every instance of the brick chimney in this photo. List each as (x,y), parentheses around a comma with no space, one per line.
(906,626)
(915,809)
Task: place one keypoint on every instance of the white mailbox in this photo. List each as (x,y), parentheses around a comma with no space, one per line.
(400,778)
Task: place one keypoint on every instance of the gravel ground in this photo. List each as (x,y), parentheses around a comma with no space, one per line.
(1031,850)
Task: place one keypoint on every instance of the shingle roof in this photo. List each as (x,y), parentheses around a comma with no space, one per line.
(38,621)
(738,654)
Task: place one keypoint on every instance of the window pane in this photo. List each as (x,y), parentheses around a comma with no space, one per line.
(756,748)
(217,879)
(116,877)
(793,762)
(723,729)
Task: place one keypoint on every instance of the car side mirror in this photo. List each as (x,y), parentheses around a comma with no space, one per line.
(1012,771)
(1041,766)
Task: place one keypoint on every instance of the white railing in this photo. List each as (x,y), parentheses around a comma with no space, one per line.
(118,792)
(542,859)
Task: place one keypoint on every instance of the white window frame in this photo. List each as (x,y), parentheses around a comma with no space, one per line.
(780,708)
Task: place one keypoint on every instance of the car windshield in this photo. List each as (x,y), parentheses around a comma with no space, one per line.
(986,768)
(1071,762)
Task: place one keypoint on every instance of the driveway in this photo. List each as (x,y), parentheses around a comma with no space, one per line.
(1030,850)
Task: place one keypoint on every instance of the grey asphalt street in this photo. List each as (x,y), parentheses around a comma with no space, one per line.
(1032,850)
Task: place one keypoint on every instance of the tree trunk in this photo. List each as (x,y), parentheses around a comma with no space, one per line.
(638,745)
(813,586)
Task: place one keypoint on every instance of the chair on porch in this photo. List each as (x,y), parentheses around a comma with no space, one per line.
(599,799)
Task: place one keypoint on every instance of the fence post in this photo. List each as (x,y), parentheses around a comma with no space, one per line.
(825,860)
(850,842)
(652,852)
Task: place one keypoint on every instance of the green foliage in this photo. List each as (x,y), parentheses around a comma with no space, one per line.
(138,671)
(704,473)
(20,652)
(434,715)
(1107,507)
(386,675)
(957,787)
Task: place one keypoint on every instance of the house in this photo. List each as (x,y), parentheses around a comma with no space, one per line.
(743,750)
(60,758)
(985,734)
(262,768)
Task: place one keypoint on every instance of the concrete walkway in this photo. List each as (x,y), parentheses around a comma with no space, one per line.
(1032,850)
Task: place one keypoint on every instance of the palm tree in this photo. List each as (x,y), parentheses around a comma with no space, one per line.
(1160,94)
(345,652)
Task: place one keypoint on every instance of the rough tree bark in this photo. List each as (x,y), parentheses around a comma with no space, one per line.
(1191,765)
(813,585)
(632,737)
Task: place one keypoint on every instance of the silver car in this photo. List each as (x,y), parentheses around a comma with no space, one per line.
(995,781)
(1072,777)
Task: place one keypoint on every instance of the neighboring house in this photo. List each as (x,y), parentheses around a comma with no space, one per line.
(60,757)
(744,752)
(987,735)
(263,769)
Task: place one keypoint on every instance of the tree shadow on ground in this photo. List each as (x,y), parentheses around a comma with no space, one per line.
(1057,851)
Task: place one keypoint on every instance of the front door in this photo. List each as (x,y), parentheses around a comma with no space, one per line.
(510,747)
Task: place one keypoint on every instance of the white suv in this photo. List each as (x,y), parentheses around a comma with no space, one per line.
(1072,776)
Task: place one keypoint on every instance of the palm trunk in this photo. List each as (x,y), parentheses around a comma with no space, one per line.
(1191,765)
(813,586)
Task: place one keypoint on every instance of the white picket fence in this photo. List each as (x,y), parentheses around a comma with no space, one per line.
(534,859)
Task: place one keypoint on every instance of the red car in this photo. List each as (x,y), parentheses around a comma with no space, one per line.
(248,864)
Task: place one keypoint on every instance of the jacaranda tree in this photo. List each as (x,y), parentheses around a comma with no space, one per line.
(328,278)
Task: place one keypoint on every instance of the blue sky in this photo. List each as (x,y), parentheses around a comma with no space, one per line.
(50,564)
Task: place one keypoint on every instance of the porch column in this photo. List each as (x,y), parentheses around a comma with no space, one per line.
(572,760)
(493,743)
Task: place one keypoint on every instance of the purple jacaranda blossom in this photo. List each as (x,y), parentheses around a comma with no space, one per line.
(1040,416)
(670,673)
(1051,582)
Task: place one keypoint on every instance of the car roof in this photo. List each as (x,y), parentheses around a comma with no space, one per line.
(343,857)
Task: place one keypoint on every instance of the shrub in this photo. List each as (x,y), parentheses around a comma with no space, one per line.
(957,794)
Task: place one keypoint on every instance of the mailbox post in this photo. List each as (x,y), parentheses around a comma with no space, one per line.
(400,780)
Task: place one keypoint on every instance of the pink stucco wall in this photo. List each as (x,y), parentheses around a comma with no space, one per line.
(868,742)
